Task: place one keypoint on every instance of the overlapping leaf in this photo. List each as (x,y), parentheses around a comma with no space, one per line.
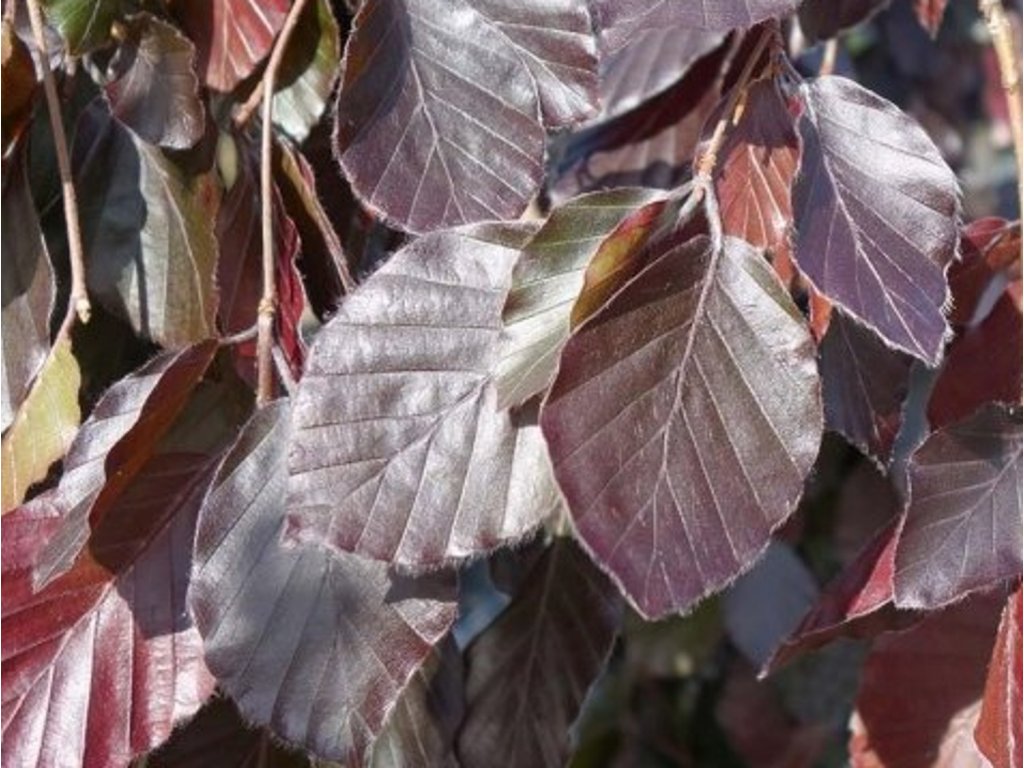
(102,663)
(84,24)
(998,732)
(154,90)
(605,231)
(683,421)
(440,124)
(876,214)
(824,19)
(19,78)
(232,36)
(148,225)
(963,523)
(317,646)
(990,254)
(399,451)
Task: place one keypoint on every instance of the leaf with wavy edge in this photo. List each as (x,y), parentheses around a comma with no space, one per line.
(399,451)
(317,646)
(684,419)
(877,213)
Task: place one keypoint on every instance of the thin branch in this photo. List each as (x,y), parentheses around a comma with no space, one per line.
(1001,31)
(268,302)
(78,301)
(828,57)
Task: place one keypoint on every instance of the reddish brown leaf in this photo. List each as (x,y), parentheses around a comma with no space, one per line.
(824,19)
(19,79)
(990,251)
(930,13)
(998,732)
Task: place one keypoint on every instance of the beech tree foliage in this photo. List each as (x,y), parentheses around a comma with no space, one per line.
(382,378)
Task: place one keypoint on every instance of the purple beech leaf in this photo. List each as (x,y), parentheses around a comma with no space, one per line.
(877,214)
(307,76)
(27,286)
(825,19)
(549,278)
(864,385)
(529,671)
(232,36)
(962,530)
(930,14)
(683,422)
(620,21)
(83,24)
(998,732)
(649,64)
(154,90)
(113,445)
(103,662)
(318,646)
(443,105)
(399,451)
(19,79)
(148,225)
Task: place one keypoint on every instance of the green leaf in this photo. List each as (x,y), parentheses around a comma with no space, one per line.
(84,24)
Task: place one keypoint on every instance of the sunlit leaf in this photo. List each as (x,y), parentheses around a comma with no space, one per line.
(399,451)
(990,257)
(684,419)
(84,24)
(317,646)
(443,124)
(530,670)
(998,732)
(963,523)
(876,214)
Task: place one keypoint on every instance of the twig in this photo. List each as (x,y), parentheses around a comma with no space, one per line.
(268,302)
(1001,31)
(708,160)
(828,57)
(78,301)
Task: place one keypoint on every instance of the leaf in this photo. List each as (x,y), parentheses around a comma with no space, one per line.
(399,452)
(444,125)
(84,24)
(755,169)
(876,214)
(232,36)
(529,672)
(154,89)
(44,427)
(548,281)
(19,78)
(998,732)
(962,530)
(930,13)
(148,227)
(28,287)
(307,74)
(684,419)
(103,663)
(113,445)
(275,618)
(991,253)
(864,385)
(916,683)
(825,19)
(620,20)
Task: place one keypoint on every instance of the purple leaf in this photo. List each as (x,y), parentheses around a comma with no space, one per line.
(399,451)
(154,90)
(684,419)
(440,124)
(962,530)
(824,19)
(998,732)
(317,646)
(876,214)
(529,671)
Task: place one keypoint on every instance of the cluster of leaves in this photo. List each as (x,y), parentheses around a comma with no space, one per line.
(605,410)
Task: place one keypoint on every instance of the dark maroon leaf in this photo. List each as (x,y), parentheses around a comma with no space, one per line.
(620,20)
(232,36)
(317,646)
(824,19)
(991,253)
(114,444)
(930,13)
(876,214)
(917,686)
(584,251)
(83,24)
(154,90)
(998,732)
(684,419)
(19,79)
(28,288)
(102,663)
(148,227)
(530,670)
(239,268)
(439,125)
(962,530)
(864,384)
(399,452)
